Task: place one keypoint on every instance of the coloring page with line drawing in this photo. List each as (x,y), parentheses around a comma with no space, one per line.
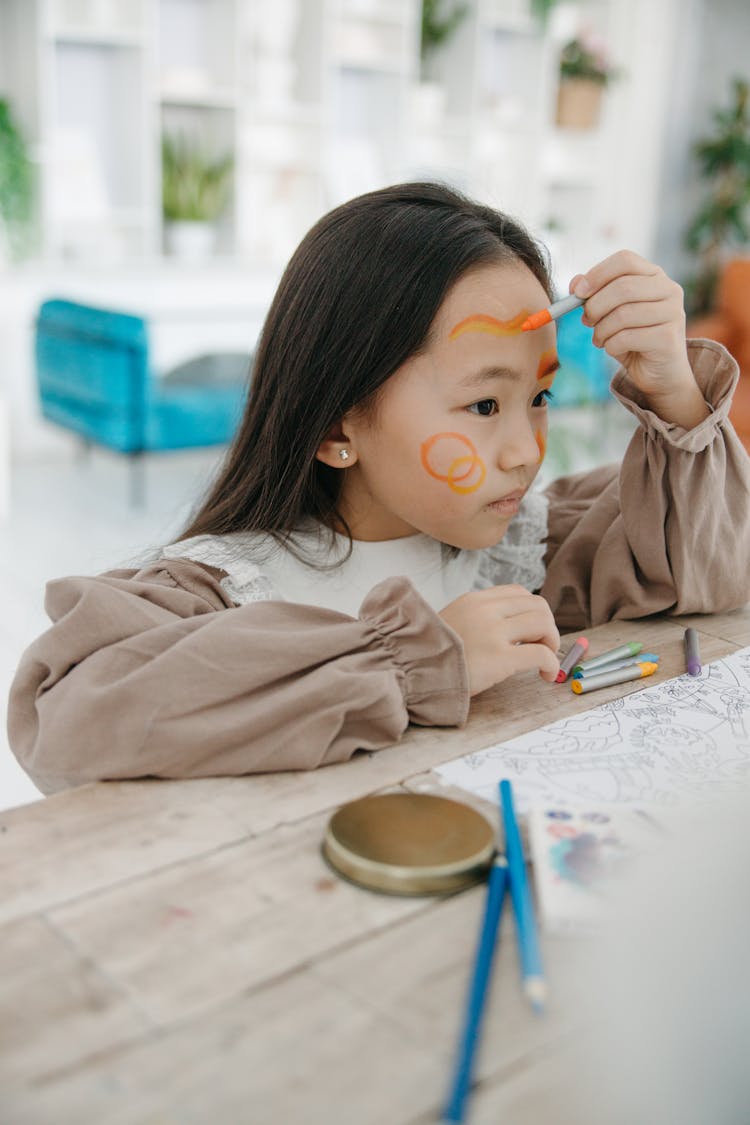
(682,739)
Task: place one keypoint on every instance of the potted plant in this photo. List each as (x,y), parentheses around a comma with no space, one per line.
(440,21)
(585,71)
(195,193)
(722,223)
(16,187)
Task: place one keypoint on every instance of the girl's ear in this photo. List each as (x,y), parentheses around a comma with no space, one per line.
(336,449)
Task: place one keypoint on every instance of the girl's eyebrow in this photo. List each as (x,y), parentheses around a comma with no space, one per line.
(487,374)
(548,365)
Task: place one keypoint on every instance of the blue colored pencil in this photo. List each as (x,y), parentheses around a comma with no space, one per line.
(523,907)
(477,993)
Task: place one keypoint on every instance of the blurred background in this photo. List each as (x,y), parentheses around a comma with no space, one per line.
(160,160)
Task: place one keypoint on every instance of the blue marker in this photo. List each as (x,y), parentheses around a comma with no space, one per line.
(520,892)
(478,989)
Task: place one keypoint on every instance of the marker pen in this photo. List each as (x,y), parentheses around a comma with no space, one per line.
(552,312)
(581,672)
(571,657)
(632,648)
(692,652)
(607,679)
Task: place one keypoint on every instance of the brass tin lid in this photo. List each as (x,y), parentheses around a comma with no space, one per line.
(409,843)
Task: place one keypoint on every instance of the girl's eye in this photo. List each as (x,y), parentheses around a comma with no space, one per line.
(543,398)
(484,408)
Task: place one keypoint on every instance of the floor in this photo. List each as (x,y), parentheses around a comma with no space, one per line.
(72,516)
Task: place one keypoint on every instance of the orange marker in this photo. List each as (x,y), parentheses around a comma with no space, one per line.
(544,316)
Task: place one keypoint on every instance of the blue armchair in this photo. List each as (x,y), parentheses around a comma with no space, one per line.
(94,378)
(585,370)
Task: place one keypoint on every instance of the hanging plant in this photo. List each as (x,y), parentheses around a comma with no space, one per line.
(722,222)
(586,57)
(440,21)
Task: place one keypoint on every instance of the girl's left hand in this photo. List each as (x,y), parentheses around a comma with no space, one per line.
(638,317)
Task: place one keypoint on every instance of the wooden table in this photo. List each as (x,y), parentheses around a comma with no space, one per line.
(179,952)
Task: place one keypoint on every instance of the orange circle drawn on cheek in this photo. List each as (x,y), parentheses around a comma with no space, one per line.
(452,477)
(541,443)
(475,462)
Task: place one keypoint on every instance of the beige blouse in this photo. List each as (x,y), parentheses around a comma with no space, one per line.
(159,672)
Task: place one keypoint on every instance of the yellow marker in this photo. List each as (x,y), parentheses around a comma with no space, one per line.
(606,679)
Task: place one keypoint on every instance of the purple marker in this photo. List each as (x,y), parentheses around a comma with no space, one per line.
(692,653)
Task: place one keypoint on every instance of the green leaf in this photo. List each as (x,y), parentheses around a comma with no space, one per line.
(16,184)
(440,19)
(195,187)
(721,223)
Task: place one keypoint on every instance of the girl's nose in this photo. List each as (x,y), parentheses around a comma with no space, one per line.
(522,445)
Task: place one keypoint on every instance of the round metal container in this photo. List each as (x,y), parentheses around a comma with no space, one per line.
(409,843)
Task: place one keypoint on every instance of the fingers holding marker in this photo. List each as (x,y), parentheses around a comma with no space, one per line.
(527,617)
(636,341)
(622,278)
(504,630)
(637,291)
(624,263)
(638,316)
(533,625)
(537,657)
(632,318)
(643,291)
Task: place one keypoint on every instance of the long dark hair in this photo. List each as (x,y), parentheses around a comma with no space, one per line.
(356,300)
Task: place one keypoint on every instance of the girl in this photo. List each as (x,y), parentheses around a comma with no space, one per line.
(372,553)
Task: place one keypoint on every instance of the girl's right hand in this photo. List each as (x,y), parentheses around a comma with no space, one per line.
(505,630)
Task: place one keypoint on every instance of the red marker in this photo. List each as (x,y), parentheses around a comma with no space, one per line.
(570,659)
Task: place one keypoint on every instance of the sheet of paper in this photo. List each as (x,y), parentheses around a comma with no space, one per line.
(684,738)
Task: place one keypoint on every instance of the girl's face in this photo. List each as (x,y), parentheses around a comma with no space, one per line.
(460,430)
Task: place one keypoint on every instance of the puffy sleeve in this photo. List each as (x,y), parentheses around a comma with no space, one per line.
(667,531)
(155,673)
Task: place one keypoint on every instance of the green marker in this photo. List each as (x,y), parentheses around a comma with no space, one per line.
(632,648)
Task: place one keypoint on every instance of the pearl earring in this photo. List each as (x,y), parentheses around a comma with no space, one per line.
(344,454)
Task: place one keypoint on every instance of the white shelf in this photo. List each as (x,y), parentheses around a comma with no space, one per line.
(198,100)
(316,100)
(101,37)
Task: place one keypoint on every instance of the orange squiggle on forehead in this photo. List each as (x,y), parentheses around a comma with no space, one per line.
(490,324)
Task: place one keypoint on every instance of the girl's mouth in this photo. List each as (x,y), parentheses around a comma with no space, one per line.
(507,505)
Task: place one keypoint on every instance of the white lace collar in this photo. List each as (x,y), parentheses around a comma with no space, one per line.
(260,569)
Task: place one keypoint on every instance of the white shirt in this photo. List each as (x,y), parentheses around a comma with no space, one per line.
(260,569)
